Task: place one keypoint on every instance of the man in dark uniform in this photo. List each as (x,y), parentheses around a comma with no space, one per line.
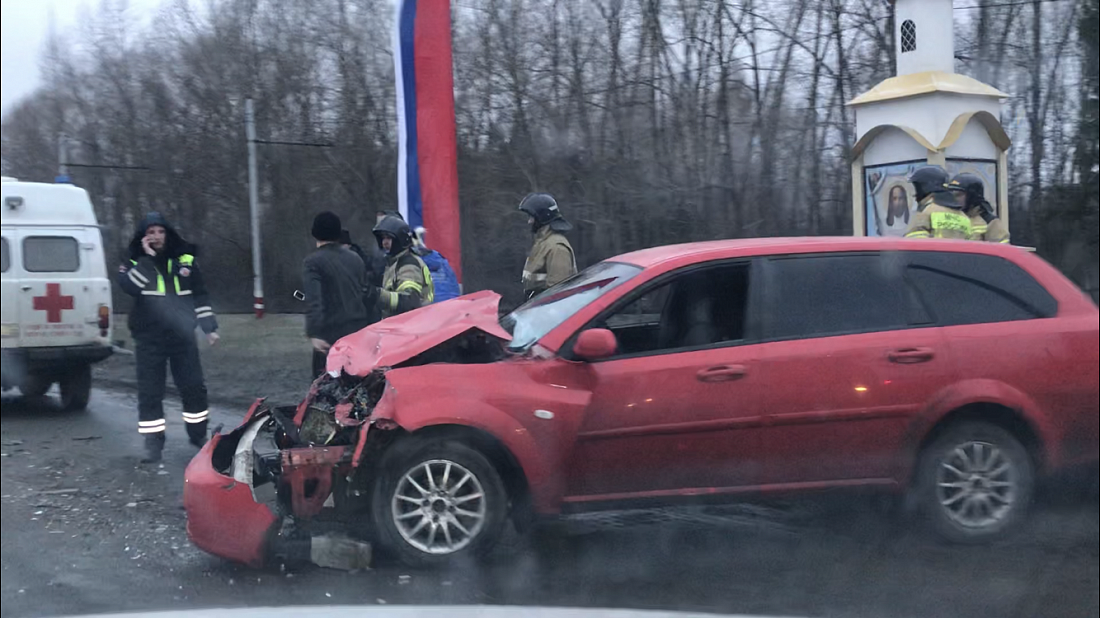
(333,281)
(170,298)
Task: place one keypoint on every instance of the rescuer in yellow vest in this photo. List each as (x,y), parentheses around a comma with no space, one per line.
(407,283)
(551,259)
(939,213)
(984,224)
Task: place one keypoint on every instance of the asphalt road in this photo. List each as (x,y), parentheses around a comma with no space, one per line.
(86,529)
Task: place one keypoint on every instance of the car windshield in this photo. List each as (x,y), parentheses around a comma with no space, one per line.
(549,309)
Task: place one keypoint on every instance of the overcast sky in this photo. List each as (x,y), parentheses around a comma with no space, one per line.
(24,24)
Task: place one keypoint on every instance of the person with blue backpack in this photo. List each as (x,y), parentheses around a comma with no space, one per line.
(446,283)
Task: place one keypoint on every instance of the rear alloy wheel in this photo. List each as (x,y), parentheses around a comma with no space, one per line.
(977,482)
(437,502)
(76,388)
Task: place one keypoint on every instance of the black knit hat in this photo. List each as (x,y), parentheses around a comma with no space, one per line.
(326,227)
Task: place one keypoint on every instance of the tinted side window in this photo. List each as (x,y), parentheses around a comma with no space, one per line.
(825,295)
(51,254)
(962,288)
(693,310)
(5,255)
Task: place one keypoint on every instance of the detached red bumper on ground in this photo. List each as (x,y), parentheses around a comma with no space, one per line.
(222,516)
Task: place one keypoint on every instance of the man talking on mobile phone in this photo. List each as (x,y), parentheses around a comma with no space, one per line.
(170,299)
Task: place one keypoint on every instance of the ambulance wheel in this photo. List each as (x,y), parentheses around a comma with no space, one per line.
(35,385)
(76,388)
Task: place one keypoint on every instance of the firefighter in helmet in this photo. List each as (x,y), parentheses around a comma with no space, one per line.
(939,214)
(551,259)
(984,224)
(407,282)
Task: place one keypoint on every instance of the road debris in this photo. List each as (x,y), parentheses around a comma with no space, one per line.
(333,551)
(59,492)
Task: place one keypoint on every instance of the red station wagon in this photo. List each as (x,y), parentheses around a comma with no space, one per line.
(957,373)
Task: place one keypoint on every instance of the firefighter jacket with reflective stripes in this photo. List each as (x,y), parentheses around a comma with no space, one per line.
(407,285)
(169,295)
(937,221)
(550,262)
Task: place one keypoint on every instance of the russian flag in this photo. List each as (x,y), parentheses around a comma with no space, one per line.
(427,167)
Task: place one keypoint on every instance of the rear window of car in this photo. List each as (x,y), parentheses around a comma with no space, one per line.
(5,255)
(966,288)
(838,294)
(51,254)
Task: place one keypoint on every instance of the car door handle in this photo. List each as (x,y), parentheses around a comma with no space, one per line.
(721,373)
(25,288)
(910,356)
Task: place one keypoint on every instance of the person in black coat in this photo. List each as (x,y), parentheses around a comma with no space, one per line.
(333,280)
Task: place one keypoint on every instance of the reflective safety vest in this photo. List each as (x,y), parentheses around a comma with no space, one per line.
(937,221)
(185,260)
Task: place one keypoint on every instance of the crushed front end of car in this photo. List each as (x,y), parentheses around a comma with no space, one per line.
(288,475)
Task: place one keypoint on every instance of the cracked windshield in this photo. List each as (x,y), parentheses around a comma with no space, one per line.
(555,308)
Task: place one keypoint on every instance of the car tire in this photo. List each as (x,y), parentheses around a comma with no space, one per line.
(426,535)
(76,388)
(976,483)
(35,385)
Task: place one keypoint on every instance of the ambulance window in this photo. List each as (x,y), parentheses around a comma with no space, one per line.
(5,255)
(51,254)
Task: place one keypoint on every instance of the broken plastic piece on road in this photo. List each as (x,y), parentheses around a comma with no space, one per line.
(333,551)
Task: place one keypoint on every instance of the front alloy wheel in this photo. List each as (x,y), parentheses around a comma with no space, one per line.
(439,507)
(437,501)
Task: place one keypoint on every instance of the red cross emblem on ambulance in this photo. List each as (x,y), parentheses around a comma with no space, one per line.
(53,303)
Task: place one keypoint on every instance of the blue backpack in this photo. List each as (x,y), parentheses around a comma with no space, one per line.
(443,277)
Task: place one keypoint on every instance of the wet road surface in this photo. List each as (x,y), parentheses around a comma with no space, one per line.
(87,529)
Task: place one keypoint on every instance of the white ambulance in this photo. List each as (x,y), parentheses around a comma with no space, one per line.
(56,309)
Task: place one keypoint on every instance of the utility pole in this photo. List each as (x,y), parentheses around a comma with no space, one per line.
(62,159)
(254,211)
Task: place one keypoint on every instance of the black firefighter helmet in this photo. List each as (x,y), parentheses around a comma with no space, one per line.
(395,228)
(971,185)
(543,208)
(928,180)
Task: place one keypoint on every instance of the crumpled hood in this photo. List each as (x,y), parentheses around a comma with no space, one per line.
(400,338)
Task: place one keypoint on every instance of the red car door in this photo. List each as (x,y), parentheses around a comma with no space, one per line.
(677,416)
(852,359)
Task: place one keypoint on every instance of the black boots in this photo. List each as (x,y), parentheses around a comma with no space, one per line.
(154,442)
(154,447)
(196,432)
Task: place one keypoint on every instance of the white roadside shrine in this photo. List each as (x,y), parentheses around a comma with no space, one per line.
(926,115)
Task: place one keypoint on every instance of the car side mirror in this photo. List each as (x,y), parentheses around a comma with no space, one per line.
(595,344)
